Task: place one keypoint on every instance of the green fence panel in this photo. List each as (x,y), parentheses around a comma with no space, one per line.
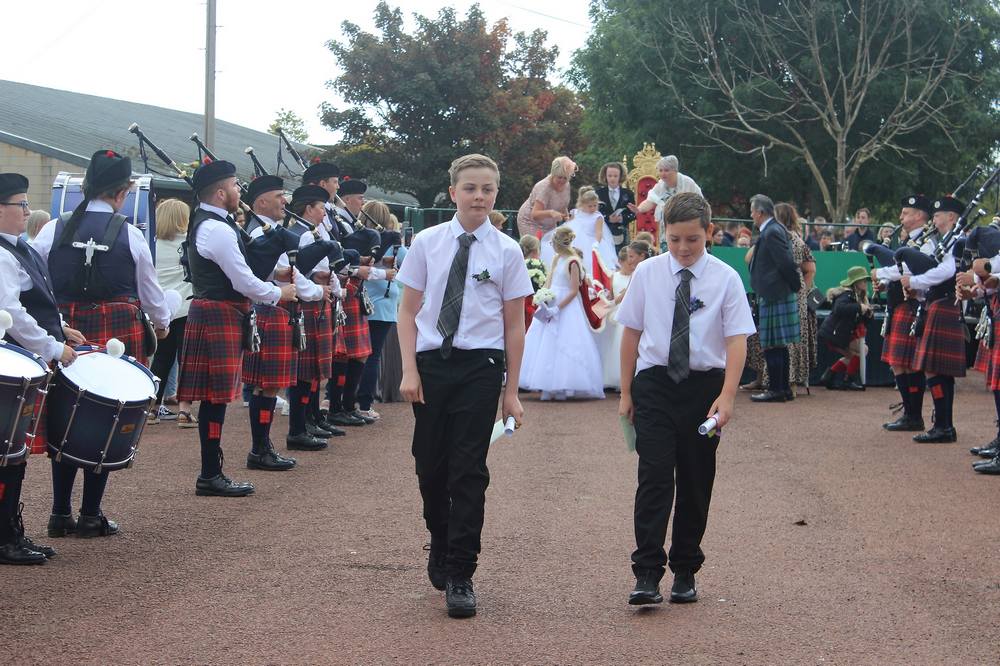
(831,267)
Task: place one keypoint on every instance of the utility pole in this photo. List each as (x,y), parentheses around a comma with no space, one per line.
(210,76)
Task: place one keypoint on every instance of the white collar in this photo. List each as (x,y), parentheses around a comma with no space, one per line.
(697,268)
(98,206)
(221,212)
(481,233)
(11,238)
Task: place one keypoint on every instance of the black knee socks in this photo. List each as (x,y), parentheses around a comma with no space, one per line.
(335,387)
(916,383)
(93,492)
(63,477)
(211,417)
(11,478)
(298,403)
(943,392)
(349,398)
(261,415)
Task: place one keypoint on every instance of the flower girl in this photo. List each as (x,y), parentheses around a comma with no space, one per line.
(609,341)
(560,352)
(592,232)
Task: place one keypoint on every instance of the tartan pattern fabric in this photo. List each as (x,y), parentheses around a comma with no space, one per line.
(941,348)
(37,445)
(779,321)
(454,291)
(993,374)
(679,356)
(354,334)
(899,347)
(983,360)
(101,321)
(274,366)
(315,363)
(212,357)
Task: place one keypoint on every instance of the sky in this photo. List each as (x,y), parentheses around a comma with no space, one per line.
(154,52)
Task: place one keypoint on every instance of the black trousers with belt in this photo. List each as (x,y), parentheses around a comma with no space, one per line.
(673,456)
(451,438)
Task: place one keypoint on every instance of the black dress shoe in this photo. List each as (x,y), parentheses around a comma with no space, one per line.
(95,526)
(683,591)
(647,590)
(324,429)
(436,558)
(769,396)
(853,384)
(345,419)
(15,553)
(269,461)
(460,597)
(60,526)
(988,466)
(222,486)
(905,423)
(305,442)
(23,540)
(367,419)
(936,436)
(828,379)
(988,451)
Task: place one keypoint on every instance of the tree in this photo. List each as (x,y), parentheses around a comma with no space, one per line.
(830,97)
(449,87)
(291,124)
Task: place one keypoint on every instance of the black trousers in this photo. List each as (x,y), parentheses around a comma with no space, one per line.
(167,351)
(672,455)
(451,438)
(378,330)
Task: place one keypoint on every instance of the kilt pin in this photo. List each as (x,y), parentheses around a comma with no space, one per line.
(275,365)
(941,348)
(212,357)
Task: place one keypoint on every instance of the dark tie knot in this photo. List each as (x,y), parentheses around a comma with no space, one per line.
(686,275)
(465,240)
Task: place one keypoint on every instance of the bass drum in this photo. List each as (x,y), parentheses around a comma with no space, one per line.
(97,409)
(22,376)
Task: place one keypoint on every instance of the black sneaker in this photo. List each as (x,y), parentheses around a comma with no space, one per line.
(460,597)
(436,557)
(683,590)
(647,590)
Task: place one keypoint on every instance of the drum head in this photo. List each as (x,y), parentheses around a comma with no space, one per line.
(20,363)
(109,377)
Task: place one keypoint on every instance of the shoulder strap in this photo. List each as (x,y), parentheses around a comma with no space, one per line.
(70,221)
(114,227)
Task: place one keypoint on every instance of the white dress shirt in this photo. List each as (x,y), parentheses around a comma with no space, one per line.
(648,306)
(305,289)
(426,269)
(217,241)
(149,291)
(13,280)
(918,283)
(614,194)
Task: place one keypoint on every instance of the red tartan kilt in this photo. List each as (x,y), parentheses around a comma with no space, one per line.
(899,346)
(274,366)
(211,365)
(316,361)
(993,375)
(983,359)
(941,349)
(99,322)
(354,334)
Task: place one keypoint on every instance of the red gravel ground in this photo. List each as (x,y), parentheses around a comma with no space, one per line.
(895,562)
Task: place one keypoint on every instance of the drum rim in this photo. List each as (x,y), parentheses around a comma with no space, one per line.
(86,464)
(96,397)
(31,355)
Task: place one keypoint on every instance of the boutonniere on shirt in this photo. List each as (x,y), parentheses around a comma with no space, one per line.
(695,305)
(484,276)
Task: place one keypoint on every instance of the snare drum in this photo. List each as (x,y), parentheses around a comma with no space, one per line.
(22,376)
(97,409)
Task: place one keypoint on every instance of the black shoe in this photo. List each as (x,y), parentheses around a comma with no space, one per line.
(324,429)
(460,597)
(936,436)
(95,526)
(345,419)
(988,466)
(789,395)
(305,442)
(316,431)
(269,461)
(436,556)
(769,396)
(988,451)
(15,553)
(222,486)
(367,419)
(905,423)
(853,383)
(647,590)
(60,526)
(683,591)
(828,379)
(23,540)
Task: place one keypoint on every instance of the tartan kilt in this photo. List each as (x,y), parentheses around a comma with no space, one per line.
(900,347)
(275,365)
(941,349)
(354,334)
(212,357)
(993,371)
(315,363)
(779,322)
(983,360)
(101,321)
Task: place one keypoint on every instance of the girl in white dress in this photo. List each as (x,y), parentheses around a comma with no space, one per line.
(609,341)
(591,231)
(560,352)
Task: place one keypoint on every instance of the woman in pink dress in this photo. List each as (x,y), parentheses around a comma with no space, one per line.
(548,203)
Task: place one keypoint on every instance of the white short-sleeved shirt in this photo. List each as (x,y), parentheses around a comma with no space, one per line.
(648,306)
(493,253)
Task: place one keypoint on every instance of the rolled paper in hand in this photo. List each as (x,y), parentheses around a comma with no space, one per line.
(115,348)
(508,427)
(708,427)
(6,321)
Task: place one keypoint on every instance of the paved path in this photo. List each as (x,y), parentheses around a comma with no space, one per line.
(895,561)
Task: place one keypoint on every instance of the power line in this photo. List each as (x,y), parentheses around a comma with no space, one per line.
(548,16)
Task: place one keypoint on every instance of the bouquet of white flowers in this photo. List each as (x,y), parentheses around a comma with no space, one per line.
(543,295)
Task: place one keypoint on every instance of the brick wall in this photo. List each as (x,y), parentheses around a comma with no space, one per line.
(39,169)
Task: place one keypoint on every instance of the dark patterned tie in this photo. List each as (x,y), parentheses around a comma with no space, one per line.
(451,304)
(679,359)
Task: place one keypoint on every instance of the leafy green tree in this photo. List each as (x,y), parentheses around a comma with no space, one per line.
(830,103)
(450,86)
(292,125)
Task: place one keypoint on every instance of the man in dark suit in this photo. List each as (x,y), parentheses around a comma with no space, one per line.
(774,277)
(614,202)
